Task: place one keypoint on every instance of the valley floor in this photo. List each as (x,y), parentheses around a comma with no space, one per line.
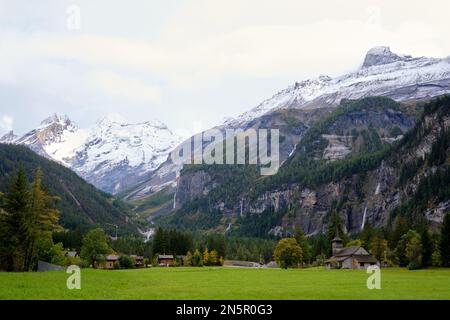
(228,283)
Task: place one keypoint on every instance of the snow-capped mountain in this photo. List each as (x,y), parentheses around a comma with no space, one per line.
(112,155)
(383,73)
(54,138)
(115,150)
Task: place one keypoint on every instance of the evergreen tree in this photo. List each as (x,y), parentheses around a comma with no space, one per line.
(17,205)
(300,237)
(444,244)
(160,244)
(401,227)
(427,247)
(336,229)
(413,251)
(367,236)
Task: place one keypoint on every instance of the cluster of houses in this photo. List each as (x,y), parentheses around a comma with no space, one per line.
(113,258)
(163,260)
(355,257)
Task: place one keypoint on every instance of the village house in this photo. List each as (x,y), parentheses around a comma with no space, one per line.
(108,263)
(165,259)
(355,257)
(138,260)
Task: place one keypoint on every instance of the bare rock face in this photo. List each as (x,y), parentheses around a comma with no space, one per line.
(365,197)
(380,56)
(194,186)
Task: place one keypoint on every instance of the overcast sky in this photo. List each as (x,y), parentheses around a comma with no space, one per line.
(185,61)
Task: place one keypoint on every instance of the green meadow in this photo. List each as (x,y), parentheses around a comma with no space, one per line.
(228,283)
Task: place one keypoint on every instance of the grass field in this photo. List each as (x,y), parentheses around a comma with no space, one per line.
(228,283)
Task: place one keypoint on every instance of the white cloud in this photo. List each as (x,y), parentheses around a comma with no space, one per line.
(195,54)
(6,123)
(114,84)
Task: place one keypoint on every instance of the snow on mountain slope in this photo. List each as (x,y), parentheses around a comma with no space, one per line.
(116,148)
(383,72)
(10,137)
(53,131)
(112,155)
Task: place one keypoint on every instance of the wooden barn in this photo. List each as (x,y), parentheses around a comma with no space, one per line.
(165,259)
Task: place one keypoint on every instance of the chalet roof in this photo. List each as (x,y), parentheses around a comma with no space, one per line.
(365,258)
(137,257)
(337,239)
(337,259)
(165,256)
(72,253)
(112,257)
(347,251)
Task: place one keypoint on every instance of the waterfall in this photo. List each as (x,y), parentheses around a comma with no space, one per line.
(175,200)
(377,191)
(364,218)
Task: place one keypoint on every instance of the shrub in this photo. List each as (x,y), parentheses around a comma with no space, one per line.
(126,262)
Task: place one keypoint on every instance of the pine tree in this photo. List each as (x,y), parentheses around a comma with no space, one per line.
(336,229)
(303,243)
(17,204)
(413,251)
(368,235)
(427,247)
(445,241)
(401,227)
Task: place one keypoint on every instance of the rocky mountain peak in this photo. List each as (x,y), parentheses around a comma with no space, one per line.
(379,56)
(56,119)
(10,137)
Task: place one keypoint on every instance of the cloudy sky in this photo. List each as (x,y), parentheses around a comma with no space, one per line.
(190,61)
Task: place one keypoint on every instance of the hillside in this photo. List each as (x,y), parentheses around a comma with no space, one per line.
(365,159)
(81,204)
(381,73)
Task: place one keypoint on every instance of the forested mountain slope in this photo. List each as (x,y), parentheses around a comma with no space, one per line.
(367,160)
(81,204)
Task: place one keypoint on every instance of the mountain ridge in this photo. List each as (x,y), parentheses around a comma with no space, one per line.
(112,148)
(383,73)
